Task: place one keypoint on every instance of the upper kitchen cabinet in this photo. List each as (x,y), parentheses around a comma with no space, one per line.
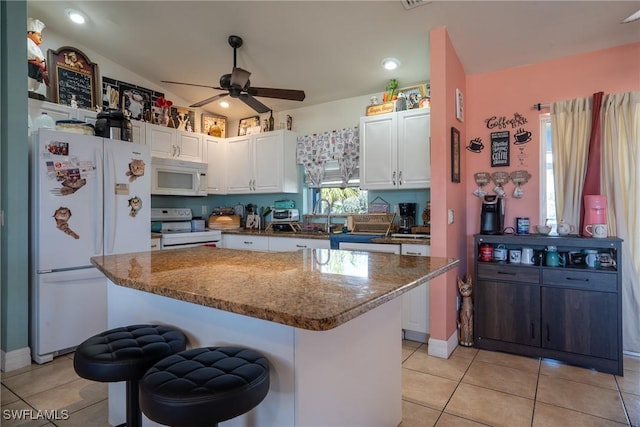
(215,155)
(171,143)
(395,150)
(262,163)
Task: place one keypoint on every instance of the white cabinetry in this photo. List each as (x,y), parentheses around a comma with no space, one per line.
(370,247)
(55,111)
(262,163)
(246,242)
(395,150)
(171,143)
(215,155)
(287,244)
(415,303)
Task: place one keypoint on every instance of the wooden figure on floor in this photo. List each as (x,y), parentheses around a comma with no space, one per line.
(465,325)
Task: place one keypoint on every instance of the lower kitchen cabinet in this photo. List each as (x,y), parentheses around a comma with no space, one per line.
(245,242)
(415,303)
(286,244)
(571,313)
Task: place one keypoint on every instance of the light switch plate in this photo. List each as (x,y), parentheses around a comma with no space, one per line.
(450,216)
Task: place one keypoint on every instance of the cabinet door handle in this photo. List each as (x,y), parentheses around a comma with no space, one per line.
(412,253)
(393,178)
(173,153)
(400,178)
(507,273)
(248,243)
(533,331)
(179,151)
(301,246)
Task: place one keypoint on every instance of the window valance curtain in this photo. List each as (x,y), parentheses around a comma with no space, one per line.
(314,151)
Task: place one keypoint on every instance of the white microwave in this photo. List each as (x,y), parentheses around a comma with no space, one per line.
(175,177)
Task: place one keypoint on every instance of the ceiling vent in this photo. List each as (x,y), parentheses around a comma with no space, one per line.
(411,4)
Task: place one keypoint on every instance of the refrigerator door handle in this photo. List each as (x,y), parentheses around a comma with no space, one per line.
(110,201)
(97,211)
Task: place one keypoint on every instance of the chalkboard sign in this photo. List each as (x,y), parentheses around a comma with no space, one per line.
(73,78)
(499,149)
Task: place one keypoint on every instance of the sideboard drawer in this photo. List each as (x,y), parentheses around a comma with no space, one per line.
(581,279)
(509,272)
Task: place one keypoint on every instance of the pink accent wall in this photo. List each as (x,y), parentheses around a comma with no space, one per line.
(515,90)
(501,94)
(447,240)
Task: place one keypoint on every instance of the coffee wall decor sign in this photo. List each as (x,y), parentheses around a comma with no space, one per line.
(499,149)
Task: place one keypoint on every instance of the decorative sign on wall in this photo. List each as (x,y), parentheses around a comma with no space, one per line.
(475,145)
(499,148)
(139,101)
(74,79)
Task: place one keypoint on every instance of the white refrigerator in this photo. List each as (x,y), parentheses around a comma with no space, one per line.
(89,196)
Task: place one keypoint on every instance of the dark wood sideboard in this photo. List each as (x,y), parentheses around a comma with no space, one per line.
(571,313)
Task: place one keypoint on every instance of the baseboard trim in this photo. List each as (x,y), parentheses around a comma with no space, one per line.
(15,359)
(441,348)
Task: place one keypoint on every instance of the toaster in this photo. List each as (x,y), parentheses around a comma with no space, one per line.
(285,215)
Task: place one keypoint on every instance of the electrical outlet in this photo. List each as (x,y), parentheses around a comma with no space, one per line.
(450,216)
(204,210)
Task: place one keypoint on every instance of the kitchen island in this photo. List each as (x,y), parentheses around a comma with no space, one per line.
(327,320)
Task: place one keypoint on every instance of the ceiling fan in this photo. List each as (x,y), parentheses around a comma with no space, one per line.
(237,85)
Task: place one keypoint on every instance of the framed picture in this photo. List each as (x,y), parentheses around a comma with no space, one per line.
(74,79)
(182,119)
(214,125)
(414,94)
(247,123)
(459,105)
(455,155)
(499,149)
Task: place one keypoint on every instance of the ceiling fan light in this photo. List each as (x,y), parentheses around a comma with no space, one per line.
(390,63)
(76,16)
(632,18)
(224,104)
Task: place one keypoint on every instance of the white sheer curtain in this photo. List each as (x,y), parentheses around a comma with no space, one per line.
(570,128)
(621,183)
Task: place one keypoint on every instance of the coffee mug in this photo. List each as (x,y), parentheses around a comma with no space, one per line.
(592,259)
(515,256)
(565,229)
(598,231)
(527,256)
(500,253)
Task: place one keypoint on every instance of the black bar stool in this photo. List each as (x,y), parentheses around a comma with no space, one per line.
(125,354)
(204,386)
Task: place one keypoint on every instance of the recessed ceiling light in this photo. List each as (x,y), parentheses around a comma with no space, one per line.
(390,63)
(632,18)
(224,104)
(76,16)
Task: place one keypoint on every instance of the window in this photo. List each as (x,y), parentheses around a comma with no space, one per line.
(547,186)
(349,200)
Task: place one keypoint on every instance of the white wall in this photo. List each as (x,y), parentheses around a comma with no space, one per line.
(306,120)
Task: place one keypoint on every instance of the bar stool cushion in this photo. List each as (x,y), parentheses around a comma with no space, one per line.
(203,386)
(125,353)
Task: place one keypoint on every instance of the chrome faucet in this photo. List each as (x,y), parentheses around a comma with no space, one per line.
(329,207)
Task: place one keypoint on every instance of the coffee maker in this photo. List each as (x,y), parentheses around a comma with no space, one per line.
(595,211)
(407,217)
(113,124)
(492,214)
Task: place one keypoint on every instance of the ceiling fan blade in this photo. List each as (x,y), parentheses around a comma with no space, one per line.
(254,103)
(208,100)
(293,95)
(239,77)
(191,84)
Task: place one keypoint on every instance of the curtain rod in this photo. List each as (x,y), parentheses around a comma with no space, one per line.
(540,106)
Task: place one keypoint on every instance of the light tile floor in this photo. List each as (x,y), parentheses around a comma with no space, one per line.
(471,388)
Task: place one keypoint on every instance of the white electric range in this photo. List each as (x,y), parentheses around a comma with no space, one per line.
(179,230)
